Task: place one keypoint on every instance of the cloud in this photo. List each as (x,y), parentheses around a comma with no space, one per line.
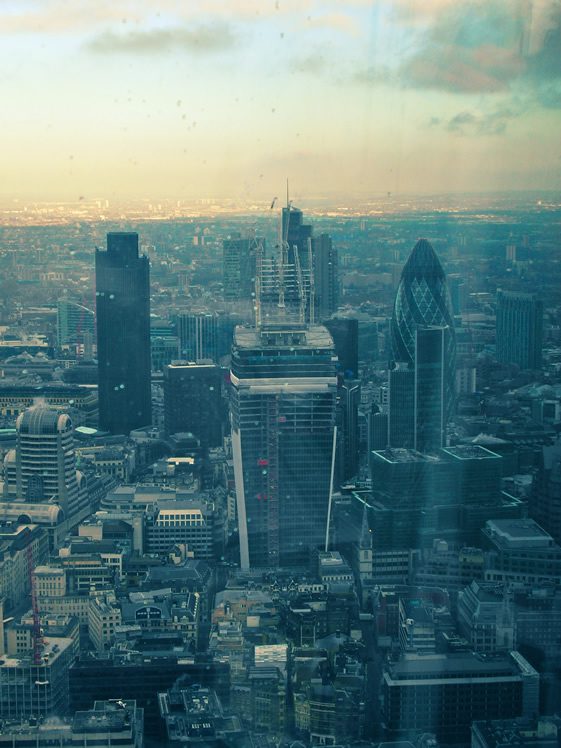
(312,64)
(216,37)
(468,122)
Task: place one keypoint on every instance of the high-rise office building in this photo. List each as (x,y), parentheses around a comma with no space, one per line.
(193,401)
(204,335)
(308,252)
(239,266)
(401,416)
(123,334)
(423,346)
(73,322)
(46,462)
(348,403)
(284,389)
(519,329)
(326,276)
(430,373)
(545,500)
(417,417)
(344,331)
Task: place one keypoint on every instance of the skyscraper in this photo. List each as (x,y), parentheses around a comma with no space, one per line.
(348,405)
(430,371)
(344,331)
(326,276)
(239,260)
(519,329)
(315,253)
(73,323)
(204,334)
(123,334)
(46,462)
(193,401)
(417,404)
(422,301)
(283,398)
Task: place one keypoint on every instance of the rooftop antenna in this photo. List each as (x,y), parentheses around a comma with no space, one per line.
(287,200)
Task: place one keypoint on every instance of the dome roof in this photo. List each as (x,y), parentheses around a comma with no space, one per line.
(40,419)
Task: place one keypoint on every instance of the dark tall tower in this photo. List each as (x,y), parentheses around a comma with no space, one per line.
(423,300)
(344,331)
(123,334)
(326,276)
(193,401)
(519,329)
(430,371)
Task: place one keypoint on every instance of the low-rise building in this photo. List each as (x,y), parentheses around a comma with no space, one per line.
(36,689)
(20,546)
(534,732)
(486,617)
(196,523)
(520,551)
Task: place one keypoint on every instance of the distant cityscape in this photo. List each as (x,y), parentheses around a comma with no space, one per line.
(275,476)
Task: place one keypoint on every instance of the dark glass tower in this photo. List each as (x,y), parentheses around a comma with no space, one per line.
(422,301)
(123,334)
(193,401)
(519,329)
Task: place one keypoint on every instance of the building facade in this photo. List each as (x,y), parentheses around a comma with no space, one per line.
(123,334)
(519,329)
(74,322)
(423,301)
(283,400)
(46,462)
(193,401)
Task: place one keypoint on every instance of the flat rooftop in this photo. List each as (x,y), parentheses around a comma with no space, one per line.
(518,533)
(471,452)
(54,646)
(314,336)
(456,665)
(399,455)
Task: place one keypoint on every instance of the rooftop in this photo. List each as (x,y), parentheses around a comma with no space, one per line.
(458,665)
(314,336)
(516,533)
(471,452)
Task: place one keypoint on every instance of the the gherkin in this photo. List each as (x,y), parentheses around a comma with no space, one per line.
(423,300)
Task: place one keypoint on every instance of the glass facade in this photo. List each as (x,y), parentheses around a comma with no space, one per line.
(283,424)
(423,300)
(123,334)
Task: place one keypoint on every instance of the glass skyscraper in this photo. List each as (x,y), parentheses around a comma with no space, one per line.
(423,301)
(519,329)
(283,399)
(123,334)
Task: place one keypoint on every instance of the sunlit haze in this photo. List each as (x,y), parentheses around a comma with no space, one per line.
(225,99)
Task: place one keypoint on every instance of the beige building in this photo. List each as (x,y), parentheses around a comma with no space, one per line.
(104,615)
(19,545)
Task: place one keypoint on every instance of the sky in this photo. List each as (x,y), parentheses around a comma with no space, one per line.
(227,98)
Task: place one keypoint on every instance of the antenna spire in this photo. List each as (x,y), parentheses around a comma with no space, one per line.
(287,195)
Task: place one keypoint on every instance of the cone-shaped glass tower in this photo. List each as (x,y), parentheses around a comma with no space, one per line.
(423,300)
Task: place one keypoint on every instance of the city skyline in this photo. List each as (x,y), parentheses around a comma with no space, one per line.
(226,99)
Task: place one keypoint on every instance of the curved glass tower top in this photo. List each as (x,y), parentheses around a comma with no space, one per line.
(422,300)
